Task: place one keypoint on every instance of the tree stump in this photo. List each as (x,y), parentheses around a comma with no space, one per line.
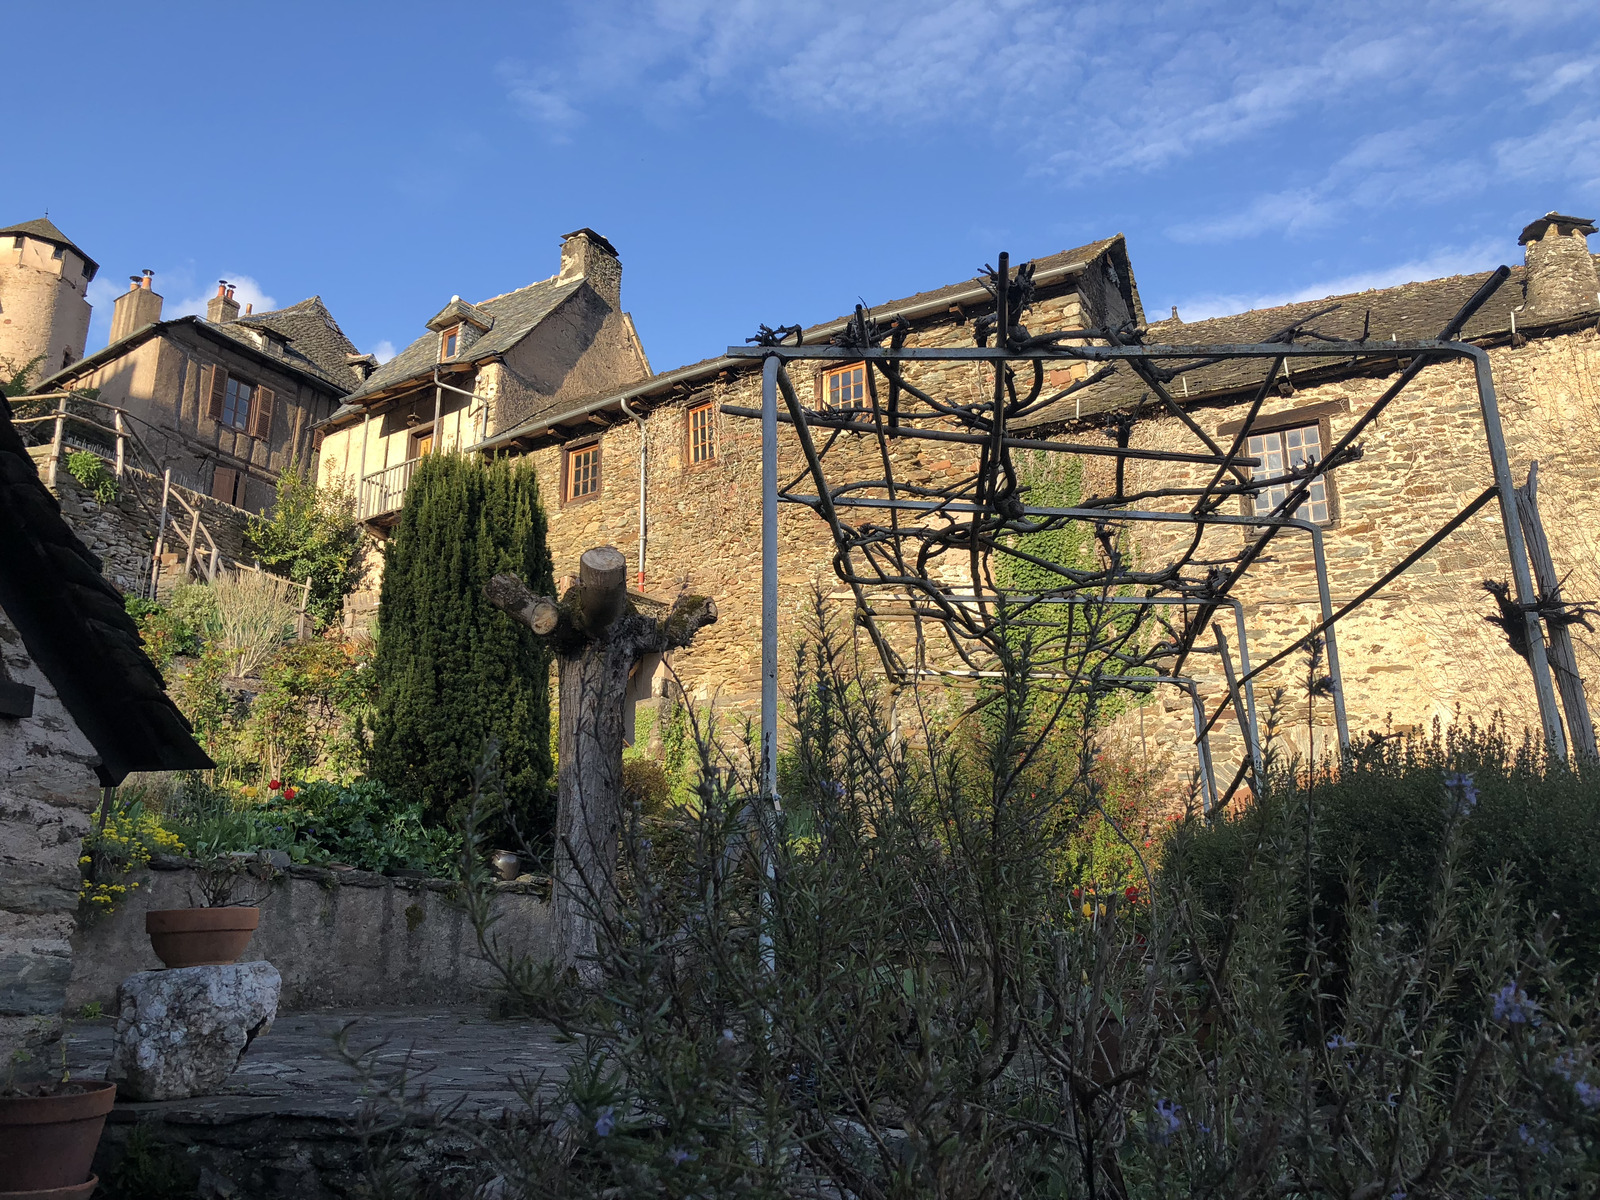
(599,631)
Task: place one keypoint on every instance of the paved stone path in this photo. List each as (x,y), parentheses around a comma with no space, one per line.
(458,1055)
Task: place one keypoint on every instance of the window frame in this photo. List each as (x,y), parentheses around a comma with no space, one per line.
(568,453)
(450,341)
(709,408)
(1279,427)
(242,422)
(824,389)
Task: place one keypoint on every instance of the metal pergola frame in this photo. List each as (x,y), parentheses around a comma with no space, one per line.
(981,513)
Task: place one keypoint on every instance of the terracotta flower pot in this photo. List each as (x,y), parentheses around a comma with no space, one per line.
(47,1142)
(200,937)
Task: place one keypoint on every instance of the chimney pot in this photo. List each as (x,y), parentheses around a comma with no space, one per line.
(248,309)
(1559,275)
(222,288)
(134,281)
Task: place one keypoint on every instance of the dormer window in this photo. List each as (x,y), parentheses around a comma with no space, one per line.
(448,341)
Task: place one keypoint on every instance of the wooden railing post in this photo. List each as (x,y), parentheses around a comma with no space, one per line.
(56,441)
(117,422)
(161,535)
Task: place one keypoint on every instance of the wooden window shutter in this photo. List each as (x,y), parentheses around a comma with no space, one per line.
(224,484)
(213,383)
(261,413)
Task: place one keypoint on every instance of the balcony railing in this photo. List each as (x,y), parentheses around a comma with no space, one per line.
(385,491)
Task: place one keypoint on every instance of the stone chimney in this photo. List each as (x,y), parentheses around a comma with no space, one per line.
(585,253)
(1560,276)
(362,364)
(137,307)
(222,308)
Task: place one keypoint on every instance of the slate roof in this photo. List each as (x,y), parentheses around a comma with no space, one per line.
(1408,312)
(316,346)
(45,230)
(77,631)
(313,334)
(515,314)
(541,417)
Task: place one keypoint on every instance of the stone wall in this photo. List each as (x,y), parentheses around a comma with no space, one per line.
(339,938)
(48,789)
(122,533)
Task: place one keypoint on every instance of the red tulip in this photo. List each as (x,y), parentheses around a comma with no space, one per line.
(288,793)
(1132,893)
(275,785)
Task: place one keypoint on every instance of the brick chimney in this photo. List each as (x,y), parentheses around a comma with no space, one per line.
(222,308)
(585,253)
(1560,276)
(137,307)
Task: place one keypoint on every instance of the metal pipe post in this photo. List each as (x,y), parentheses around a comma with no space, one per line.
(1527,599)
(769,577)
(1325,599)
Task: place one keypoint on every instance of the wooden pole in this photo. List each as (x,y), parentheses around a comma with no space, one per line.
(1563,660)
(599,635)
(57,439)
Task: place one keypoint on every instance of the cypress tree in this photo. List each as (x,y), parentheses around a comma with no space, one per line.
(451,671)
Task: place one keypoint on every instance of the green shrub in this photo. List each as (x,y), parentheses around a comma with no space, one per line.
(164,634)
(90,470)
(645,783)
(1388,814)
(451,671)
(312,534)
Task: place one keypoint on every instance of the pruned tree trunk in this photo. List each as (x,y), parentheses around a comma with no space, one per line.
(599,631)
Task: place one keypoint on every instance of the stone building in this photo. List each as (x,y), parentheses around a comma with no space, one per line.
(80,707)
(44,298)
(481,368)
(227,401)
(657,469)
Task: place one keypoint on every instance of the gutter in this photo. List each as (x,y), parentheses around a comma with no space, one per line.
(812,336)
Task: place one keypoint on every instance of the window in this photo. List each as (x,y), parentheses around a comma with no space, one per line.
(236,403)
(58,252)
(845,388)
(702,434)
(1285,450)
(16,242)
(583,472)
(449,340)
(422,443)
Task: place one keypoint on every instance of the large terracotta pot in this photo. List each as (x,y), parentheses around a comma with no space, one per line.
(200,937)
(47,1142)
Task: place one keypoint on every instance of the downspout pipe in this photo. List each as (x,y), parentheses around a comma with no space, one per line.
(644,456)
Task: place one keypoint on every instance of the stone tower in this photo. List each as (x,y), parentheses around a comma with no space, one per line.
(44,298)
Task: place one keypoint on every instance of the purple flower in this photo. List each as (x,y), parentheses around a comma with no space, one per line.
(677,1156)
(1169,1119)
(1462,786)
(1339,1042)
(605,1122)
(1511,1004)
(1588,1094)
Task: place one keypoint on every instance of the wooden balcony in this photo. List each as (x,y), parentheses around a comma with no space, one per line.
(383,492)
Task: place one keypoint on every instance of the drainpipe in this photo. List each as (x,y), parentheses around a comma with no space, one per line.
(438,410)
(644,455)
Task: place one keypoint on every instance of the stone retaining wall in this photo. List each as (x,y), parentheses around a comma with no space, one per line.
(339,938)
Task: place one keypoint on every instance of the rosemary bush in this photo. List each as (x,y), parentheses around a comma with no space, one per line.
(923,996)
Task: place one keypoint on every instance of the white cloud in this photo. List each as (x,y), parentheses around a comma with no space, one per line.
(1564,150)
(1481,256)
(245,290)
(383,351)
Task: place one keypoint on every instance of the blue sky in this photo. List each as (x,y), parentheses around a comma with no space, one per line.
(776,161)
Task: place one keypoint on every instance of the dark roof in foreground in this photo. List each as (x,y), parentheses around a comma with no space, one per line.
(969,292)
(77,631)
(45,230)
(1406,312)
(515,314)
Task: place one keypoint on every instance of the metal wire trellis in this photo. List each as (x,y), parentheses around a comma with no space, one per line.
(944,555)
